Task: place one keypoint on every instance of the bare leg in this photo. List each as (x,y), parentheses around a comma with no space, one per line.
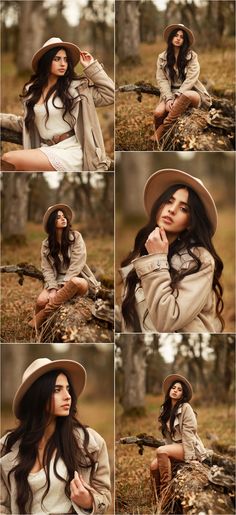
(42,300)
(160,109)
(28,160)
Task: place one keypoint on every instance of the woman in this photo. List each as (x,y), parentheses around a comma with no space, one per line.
(172,274)
(51,463)
(63,259)
(179,428)
(60,127)
(177,78)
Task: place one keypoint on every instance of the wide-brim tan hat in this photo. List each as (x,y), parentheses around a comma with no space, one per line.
(52,43)
(169,380)
(66,209)
(75,371)
(179,26)
(161,180)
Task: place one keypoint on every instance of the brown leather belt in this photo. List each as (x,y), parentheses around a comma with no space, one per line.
(58,137)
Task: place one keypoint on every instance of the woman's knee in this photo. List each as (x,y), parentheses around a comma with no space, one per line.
(81,283)
(162,450)
(8,157)
(194,97)
(154,464)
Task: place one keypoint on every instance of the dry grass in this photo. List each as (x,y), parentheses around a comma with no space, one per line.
(18,301)
(134,120)
(133,490)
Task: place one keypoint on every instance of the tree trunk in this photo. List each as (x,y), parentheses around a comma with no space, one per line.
(128,30)
(14,206)
(32,24)
(134,365)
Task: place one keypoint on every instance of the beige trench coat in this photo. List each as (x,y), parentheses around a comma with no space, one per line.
(191,81)
(77,254)
(99,486)
(191,309)
(185,426)
(94,90)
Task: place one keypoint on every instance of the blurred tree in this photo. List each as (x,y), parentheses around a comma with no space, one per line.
(32,23)
(127,31)
(98,16)
(134,373)
(149,21)
(40,197)
(222,375)
(15,192)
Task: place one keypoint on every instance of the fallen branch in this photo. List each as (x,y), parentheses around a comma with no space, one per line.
(88,319)
(12,136)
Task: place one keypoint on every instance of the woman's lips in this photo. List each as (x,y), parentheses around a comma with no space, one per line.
(167,219)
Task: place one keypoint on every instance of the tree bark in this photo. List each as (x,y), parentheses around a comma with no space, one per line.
(15,206)
(134,365)
(128,30)
(32,24)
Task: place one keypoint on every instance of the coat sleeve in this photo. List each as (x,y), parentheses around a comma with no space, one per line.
(189,428)
(193,70)
(47,270)
(103,86)
(171,310)
(163,82)
(100,487)
(78,258)
(5,503)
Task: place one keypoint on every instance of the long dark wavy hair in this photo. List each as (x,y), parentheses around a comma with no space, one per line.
(33,421)
(199,234)
(67,239)
(182,55)
(33,89)
(168,412)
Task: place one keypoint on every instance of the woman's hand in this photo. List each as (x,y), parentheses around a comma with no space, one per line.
(169,105)
(86,59)
(157,242)
(79,493)
(51,294)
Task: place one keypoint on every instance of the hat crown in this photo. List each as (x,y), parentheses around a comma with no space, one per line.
(37,363)
(52,41)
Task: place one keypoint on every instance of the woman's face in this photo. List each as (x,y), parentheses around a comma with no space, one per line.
(61,220)
(178,39)
(59,64)
(176,391)
(174,215)
(61,399)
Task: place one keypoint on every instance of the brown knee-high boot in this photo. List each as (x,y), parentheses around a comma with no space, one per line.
(165,470)
(180,106)
(158,121)
(155,480)
(66,293)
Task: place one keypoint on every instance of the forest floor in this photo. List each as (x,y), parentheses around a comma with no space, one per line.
(224,244)
(11,104)
(133,487)
(18,301)
(134,120)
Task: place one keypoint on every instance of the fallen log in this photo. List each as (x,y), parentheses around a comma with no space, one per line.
(196,488)
(88,319)
(196,129)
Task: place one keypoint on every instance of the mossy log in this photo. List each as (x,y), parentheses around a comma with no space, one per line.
(88,319)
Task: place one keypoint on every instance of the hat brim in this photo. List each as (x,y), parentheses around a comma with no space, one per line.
(67,210)
(169,380)
(169,29)
(74,51)
(76,372)
(161,180)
